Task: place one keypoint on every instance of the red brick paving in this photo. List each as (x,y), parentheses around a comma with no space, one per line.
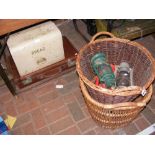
(43,131)
(43,109)
(17,131)
(6,97)
(43,89)
(38,118)
(101,131)
(142,123)
(48,97)
(68,98)
(22,119)
(56,115)
(78,95)
(18,100)
(52,105)
(86,124)
(28,129)
(76,111)
(60,125)
(70,131)
(27,106)
(149,115)
(131,129)
(4,90)
(10,108)
(46,113)
(91,132)
(152,103)
(86,112)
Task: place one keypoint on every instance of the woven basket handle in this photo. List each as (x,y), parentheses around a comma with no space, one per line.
(119,106)
(100,34)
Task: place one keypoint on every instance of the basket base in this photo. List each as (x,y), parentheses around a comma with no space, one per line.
(112,122)
(110,126)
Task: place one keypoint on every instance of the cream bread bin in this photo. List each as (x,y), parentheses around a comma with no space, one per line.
(36,47)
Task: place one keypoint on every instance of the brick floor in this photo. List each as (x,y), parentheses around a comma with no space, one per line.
(61,124)
(63,114)
(44,109)
(70,131)
(141,123)
(149,115)
(101,131)
(28,129)
(38,118)
(17,131)
(76,111)
(43,131)
(131,129)
(86,124)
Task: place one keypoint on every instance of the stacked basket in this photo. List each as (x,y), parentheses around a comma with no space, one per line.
(117,107)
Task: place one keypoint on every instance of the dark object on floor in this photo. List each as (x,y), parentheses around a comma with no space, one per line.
(51,71)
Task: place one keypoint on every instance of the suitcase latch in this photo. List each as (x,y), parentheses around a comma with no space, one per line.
(27,81)
(70,62)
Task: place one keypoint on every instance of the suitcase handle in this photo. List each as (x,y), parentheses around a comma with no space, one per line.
(101,33)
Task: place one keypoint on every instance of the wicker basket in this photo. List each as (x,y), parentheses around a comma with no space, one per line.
(116,50)
(114,115)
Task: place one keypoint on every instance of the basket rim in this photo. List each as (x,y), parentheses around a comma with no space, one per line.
(131,90)
(118,106)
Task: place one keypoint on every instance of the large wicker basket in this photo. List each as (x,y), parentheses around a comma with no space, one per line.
(116,50)
(114,115)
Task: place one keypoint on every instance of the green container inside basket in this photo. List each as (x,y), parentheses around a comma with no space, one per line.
(103,70)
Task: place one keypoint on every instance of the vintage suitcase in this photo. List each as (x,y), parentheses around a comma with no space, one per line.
(36,47)
(51,71)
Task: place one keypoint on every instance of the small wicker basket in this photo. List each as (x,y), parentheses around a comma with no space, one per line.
(116,50)
(114,115)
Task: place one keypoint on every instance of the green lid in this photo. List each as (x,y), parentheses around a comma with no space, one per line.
(98,58)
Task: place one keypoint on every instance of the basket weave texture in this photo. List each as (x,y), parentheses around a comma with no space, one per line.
(114,115)
(116,50)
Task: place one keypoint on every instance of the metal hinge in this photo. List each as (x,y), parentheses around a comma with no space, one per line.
(27,81)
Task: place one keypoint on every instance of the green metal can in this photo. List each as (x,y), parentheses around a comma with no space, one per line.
(103,69)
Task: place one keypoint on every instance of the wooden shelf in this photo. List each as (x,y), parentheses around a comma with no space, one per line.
(10,25)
